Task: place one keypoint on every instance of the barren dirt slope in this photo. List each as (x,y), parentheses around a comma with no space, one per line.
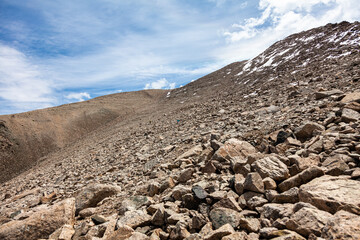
(26,137)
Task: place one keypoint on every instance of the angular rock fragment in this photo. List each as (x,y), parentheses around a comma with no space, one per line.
(343,225)
(199,192)
(234,148)
(93,194)
(349,115)
(306,130)
(271,167)
(308,220)
(222,216)
(253,182)
(301,178)
(221,232)
(329,193)
(134,219)
(41,223)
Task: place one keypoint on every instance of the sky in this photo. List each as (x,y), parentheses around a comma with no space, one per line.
(62,51)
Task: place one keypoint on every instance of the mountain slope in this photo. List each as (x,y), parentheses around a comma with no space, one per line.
(180,147)
(26,137)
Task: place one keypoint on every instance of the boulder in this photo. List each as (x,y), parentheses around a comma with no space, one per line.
(285,235)
(234,148)
(185,175)
(271,167)
(134,219)
(179,232)
(133,203)
(250,224)
(289,196)
(325,94)
(329,193)
(179,191)
(274,211)
(236,236)
(91,195)
(253,182)
(40,223)
(64,233)
(269,183)
(308,220)
(304,163)
(307,130)
(301,178)
(221,232)
(239,181)
(334,165)
(193,152)
(343,225)
(228,202)
(349,115)
(351,97)
(222,216)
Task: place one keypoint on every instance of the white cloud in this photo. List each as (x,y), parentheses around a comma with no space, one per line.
(160,84)
(22,84)
(78,96)
(278,19)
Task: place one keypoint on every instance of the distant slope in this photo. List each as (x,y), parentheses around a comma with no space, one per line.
(26,137)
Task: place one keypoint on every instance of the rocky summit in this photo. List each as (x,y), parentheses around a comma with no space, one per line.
(262,149)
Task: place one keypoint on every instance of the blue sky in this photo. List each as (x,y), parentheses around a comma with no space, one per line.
(62,51)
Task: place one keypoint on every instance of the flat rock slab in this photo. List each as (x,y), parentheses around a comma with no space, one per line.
(271,167)
(93,194)
(329,193)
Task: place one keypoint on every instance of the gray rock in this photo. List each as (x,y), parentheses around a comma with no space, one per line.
(222,216)
(274,211)
(349,115)
(134,219)
(199,192)
(133,203)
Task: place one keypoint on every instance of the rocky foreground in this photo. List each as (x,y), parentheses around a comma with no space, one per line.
(301,183)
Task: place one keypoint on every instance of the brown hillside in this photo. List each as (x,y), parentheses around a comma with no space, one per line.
(27,137)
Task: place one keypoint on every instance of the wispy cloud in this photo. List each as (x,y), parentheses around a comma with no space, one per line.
(278,19)
(22,85)
(79,97)
(160,84)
